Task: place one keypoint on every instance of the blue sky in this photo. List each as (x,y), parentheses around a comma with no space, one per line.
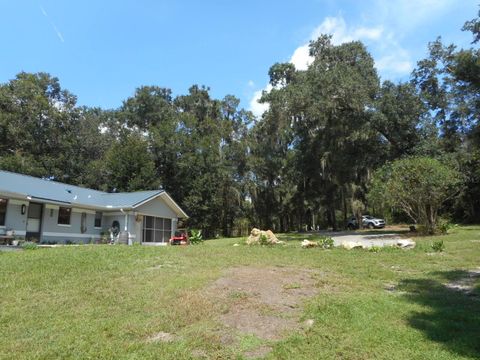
(102,50)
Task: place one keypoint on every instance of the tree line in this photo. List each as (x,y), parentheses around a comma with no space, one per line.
(307,161)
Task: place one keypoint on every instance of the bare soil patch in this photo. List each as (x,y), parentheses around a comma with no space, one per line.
(264,301)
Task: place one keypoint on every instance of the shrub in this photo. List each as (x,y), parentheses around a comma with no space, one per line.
(438,246)
(418,186)
(263,239)
(374,249)
(104,237)
(196,236)
(444,226)
(326,242)
(29,245)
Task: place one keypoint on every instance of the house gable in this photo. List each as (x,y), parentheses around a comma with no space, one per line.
(157,207)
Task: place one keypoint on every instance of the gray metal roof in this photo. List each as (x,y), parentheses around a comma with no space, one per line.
(44,190)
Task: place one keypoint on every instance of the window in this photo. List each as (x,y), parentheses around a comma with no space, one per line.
(98,219)
(64,216)
(156,229)
(3,211)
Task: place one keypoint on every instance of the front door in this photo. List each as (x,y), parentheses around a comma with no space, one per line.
(34,222)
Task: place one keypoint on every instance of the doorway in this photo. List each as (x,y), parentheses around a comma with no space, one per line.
(34,222)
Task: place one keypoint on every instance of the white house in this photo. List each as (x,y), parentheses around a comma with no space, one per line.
(52,212)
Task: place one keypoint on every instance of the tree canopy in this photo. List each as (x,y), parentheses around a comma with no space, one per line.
(418,186)
(306,162)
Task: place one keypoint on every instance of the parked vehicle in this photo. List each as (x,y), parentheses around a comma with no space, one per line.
(180,238)
(367,222)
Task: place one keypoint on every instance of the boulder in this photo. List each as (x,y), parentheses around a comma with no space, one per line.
(349,245)
(309,244)
(255,232)
(405,244)
(256,235)
(271,237)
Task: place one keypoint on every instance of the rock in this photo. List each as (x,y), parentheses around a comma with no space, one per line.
(256,235)
(349,245)
(271,237)
(255,232)
(405,244)
(309,244)
(236,244)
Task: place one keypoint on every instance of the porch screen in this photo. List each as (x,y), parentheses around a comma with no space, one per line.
(156,229)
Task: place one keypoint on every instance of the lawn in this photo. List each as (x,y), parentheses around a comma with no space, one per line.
(108,302)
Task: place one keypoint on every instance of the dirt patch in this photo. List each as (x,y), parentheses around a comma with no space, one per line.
(264,302)
(259,352)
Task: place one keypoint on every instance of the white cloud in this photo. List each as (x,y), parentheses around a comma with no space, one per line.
(341,33)
(259,108)
(251,83)
(337,27)
(301,58)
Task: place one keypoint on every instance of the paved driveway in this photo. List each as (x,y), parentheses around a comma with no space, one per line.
(367,239)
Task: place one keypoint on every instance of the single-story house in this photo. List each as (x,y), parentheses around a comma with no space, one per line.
(51,212)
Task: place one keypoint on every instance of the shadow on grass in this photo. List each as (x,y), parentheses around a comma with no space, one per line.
(452,317)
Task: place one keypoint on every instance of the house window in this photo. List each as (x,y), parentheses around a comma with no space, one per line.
(64,216)
(156,229)
(3,211)
(98,219)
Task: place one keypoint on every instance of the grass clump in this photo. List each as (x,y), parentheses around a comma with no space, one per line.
(326,242)
(438,246)
(29,245)
(444,226)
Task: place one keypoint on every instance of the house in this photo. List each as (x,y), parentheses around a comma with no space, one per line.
(52,212)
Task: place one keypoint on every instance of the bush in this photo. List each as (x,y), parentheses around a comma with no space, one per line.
(263,240)
(104,237)
(438,246)
(195,237)
(29,245)
(418,186)
(444,226)
(326,242)
(375,249)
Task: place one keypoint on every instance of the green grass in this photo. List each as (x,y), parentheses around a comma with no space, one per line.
(105,302)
